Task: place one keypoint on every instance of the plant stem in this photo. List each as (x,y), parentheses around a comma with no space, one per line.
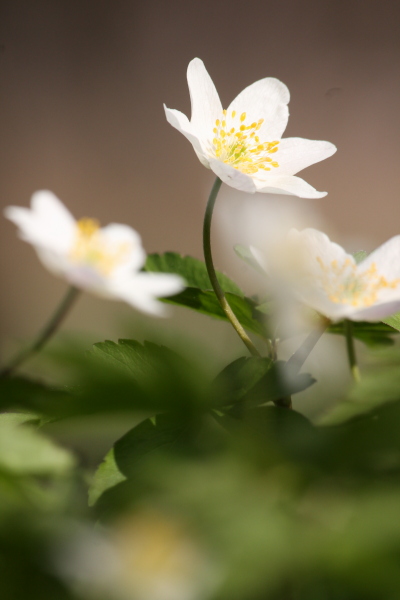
(351,352)
(46,333)
(212,274)
(299,357)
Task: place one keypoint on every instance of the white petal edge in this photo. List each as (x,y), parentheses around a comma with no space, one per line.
(48,223)
(295,154)
(180,121)
(287,184)
(142,291)
(232,176)
(206,105)
(264,99)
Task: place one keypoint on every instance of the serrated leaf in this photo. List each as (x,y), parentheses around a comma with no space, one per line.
(194,271)
(393,321)
(206,303)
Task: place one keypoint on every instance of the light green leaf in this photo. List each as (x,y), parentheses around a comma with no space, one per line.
(24,451)
(393,321)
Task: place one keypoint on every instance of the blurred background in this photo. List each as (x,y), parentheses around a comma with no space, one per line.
(82,89)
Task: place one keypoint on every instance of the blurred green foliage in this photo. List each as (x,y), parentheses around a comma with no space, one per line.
(215,494)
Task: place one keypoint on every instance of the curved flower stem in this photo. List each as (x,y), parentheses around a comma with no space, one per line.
(351,352)
(213,276)
(43,337)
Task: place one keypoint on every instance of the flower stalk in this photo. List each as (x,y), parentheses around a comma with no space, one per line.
(47,332)
(212,274)
(351,352)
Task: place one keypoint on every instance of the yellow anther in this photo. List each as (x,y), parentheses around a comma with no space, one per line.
(242,127)
(215,130)
(217,122)
(257,139)
(232,131)
(223,123)
(243,116)
(275,164)
(87,227)
(253,125)
(224,112)
(222,133)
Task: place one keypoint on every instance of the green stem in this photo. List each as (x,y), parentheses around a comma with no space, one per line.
(212,274)
(299,357)
(351,352)
(46,333)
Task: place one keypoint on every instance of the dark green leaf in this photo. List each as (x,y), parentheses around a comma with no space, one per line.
(207,303)
(123,460)
(371,334)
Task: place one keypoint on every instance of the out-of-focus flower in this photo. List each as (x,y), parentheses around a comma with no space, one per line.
(146,555)
(105,261)
(328,279)
(243,144)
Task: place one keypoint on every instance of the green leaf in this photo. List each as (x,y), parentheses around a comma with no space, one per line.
(207,303)
(250,382)
(393,321)
(199,296)
(239,377)
(24,451)
(123,460)
(194,271)
(371,334)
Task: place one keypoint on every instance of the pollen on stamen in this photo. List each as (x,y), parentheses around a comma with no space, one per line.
(233,114)
(243,117)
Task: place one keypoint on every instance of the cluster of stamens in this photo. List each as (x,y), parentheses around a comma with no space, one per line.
(346,284)
(240,146)
(91,248)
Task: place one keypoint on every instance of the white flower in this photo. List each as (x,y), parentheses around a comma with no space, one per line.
(324,277)
(105,261)
(243,144)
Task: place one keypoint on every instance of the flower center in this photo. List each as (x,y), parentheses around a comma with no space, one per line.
(345,284)
(92,248)
(237,144)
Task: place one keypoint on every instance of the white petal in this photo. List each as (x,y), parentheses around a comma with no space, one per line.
(180,121)
(386,258)
(206,105)
(51,210)
(295,154)
(142,291)
(117,235)
(287,184)
(232,176)
(47,224)
(377,312)
(265,99)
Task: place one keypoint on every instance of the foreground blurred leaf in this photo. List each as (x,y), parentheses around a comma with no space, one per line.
(23,450)
(124,459)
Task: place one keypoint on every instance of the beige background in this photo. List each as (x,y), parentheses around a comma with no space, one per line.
(82,88)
